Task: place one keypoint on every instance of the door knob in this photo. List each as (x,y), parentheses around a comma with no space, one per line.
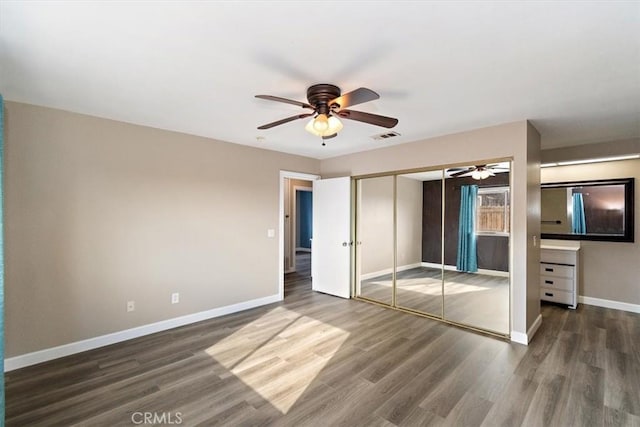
(345,244)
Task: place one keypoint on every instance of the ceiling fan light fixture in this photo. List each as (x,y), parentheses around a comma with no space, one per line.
(481,174)
(323,125)
(335,125)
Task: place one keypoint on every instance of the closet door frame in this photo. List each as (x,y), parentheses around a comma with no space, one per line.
(358,245)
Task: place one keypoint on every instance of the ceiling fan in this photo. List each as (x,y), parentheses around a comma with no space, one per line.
(327,103)
(478,171)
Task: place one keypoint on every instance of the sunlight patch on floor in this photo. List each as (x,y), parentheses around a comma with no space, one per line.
(281,361)
(419,285)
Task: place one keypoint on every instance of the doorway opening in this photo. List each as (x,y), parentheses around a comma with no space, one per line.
(296,232)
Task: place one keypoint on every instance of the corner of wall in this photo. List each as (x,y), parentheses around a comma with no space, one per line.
(533,225)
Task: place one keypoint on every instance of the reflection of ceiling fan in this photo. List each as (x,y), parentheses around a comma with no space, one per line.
(327,104)
(478,171)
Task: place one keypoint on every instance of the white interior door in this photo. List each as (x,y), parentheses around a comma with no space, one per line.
(331,253)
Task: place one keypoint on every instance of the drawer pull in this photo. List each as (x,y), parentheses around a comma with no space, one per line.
(549,294)
(549,282)
(548,269)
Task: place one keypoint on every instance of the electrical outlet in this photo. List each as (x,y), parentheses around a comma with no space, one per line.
(175,298)
(131,306)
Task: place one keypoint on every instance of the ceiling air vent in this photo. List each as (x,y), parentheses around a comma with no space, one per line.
(386,135)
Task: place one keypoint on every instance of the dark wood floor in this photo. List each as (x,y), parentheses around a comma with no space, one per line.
(322,361)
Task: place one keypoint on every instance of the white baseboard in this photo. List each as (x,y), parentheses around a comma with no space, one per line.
(389,271)
(618,305)
(454,268)
(522,338)
(45,355)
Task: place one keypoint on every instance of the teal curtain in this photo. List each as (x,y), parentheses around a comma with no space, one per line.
(467,251)
(1,262)
(578,222)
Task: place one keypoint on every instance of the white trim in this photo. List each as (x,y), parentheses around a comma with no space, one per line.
(283,175)
(45,355)
(525,339)
(453,268)
(389,271)
(617,305)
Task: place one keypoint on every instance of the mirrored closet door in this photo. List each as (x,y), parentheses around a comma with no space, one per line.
(476,246)
(419,242)
(375,238)
(437,243)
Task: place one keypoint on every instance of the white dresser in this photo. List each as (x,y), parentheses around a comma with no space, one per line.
(559,271)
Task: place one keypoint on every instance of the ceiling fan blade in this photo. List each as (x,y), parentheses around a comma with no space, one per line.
(460,173)
(285,100)
(355,97)
(283,121)
(373,119)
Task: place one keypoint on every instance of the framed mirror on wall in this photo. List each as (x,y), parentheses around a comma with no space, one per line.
(601,210)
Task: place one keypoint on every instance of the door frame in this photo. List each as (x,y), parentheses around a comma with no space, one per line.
(286,175)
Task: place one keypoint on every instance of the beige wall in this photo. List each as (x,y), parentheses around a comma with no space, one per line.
(554,208)
(610,270)
(100,212)
(409,236)
(517,140)
(532,213)
(589,151)
(375,222)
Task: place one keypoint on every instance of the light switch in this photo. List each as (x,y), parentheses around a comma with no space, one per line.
(271,232)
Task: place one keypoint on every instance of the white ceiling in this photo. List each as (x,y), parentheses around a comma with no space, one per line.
(573,68)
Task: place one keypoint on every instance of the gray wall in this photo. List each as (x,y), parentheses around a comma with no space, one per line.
(100,212)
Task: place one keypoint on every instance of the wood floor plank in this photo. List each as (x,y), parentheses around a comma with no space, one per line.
(448,392)
(422,417)
(622,382)
(549,401)
(469,411)
(585,402)
(398,407)
(618,418)
(512,405)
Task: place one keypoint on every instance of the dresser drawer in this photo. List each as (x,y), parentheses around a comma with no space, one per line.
(558,256)
(556,283)
(554,295)
(555,270)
